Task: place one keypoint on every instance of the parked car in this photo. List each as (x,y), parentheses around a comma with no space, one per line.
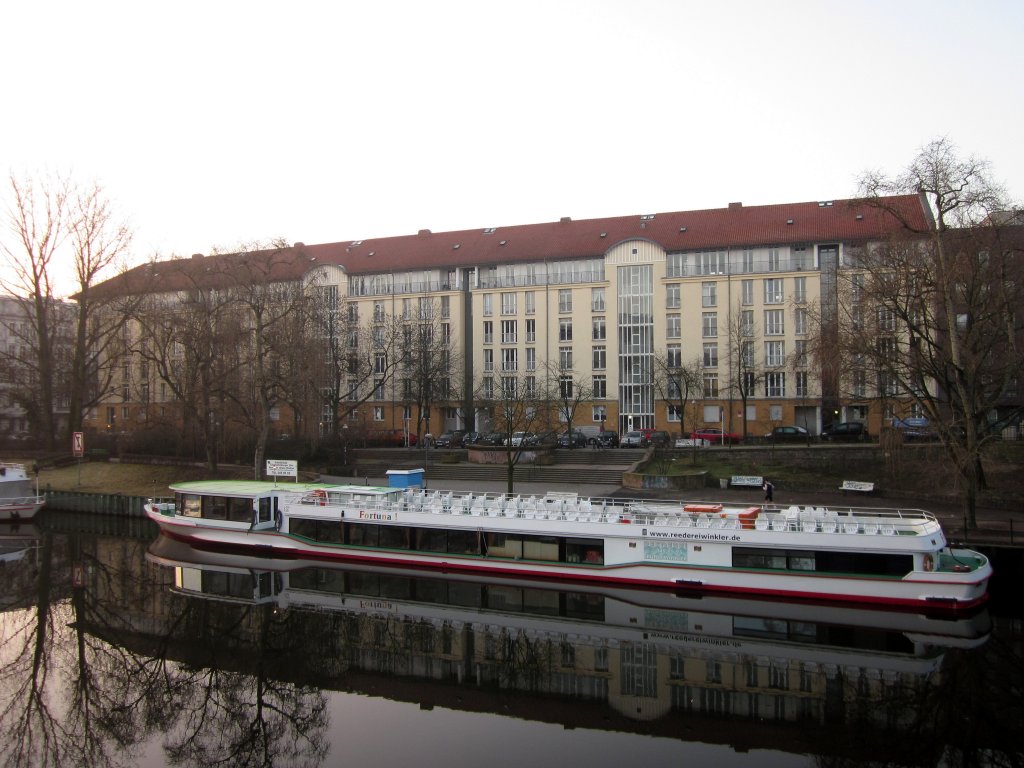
(472,438)
(634,439)
(544,438)
(716,435)
(572,440)
(788,434)
(606,439)
(520,439)
(449,439)
(845,430)
(659,438)
(914,428)
(493,438)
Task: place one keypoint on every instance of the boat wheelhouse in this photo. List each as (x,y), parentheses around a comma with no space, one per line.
(18,499)
(882,556)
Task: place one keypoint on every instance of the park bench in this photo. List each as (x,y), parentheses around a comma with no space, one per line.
(747,481)
(856,485)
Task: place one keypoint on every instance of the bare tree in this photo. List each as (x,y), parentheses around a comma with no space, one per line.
(519,405)
(938,308)
(678,382)
(37,226)
(429,374)
(746,369)
(566,391)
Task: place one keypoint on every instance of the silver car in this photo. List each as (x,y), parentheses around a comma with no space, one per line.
(632,440)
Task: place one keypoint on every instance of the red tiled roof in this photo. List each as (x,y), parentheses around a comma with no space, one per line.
(736,226)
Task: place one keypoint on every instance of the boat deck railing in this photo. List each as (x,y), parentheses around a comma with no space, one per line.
(698,515)
(19,500)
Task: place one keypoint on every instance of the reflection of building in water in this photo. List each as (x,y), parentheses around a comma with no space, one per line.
(645,654)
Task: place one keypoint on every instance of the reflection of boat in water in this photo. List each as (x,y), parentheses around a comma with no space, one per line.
(18,499)
(19,547)
(827,637)
(882,557)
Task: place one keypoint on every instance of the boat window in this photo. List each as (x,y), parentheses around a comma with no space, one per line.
(215,508)
(540,547)
(584,551)
(239,510)
(431,540)
(464,542)
(325,531)
(190,505)
(500,545)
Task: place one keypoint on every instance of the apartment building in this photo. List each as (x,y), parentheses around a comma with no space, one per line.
(733,291)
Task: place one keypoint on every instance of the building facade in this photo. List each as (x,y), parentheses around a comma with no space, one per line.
(735,294)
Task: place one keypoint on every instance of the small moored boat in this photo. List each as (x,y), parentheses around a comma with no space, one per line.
(18,499)
(886,557)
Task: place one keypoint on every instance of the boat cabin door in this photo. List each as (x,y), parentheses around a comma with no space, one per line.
(265,513)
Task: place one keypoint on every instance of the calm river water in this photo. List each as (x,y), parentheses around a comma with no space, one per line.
(121,648)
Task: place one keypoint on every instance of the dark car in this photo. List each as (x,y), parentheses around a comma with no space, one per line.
(845,431)
(544,438)
(472,438)
(449,439)
(577,440)
(606,439)
(492,438)
(659,438)
(914,428)
(788,434)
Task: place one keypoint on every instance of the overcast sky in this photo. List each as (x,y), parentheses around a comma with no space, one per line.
(215,123)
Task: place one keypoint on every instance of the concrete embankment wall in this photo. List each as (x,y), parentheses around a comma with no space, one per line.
(98,503)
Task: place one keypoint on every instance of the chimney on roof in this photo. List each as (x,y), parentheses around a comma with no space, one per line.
(565,219)
(299,245)
(423,232)
(197,255)
(735,205)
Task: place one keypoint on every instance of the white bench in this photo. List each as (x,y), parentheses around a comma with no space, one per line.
(749,481)
(856,485)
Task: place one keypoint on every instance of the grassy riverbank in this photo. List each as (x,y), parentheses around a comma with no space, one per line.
(129,479)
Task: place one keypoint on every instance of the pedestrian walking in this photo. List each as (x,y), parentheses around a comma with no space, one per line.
(768,490)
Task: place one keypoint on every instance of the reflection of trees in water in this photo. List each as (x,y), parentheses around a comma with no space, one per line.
(83,684)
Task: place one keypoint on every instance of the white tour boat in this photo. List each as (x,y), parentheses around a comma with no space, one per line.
(890,557)
(18,499)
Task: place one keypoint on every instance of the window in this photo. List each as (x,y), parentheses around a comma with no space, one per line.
(775,384)
(674,355)
(378,311)
(746,292)
(801,384)
(599,332)
(774,353)
(600,384)
(530,386)
(747,322)
(800,353)
(565,330)
(406,309)
(426,308)
(565,358)
(774,322)
(510,359)
(599,413)
(672,296)
(674,413)
(488,387)
(488,332)
(710,385)
(597,299)
(380,362)
(857,287)
(887,384)
(773,290)
(712,262)
(887,320)
(446,306)
(508,303)
(675,265)
(773,259)
(711,355)
(565,300)
(709,294)
(531,302)
(531,358)
(531,331)
(748,260)
(378,413)
(509,387)
(747,354)
(709,325)
(860,383)
(378,391)
(800,321)
(673,327)
(353,313)
(800,290)
(509,333)
(565,387)
(599,358)
(488,360)
(488,304)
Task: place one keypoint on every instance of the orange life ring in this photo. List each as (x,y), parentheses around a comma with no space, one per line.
(321,497)
(929,563)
